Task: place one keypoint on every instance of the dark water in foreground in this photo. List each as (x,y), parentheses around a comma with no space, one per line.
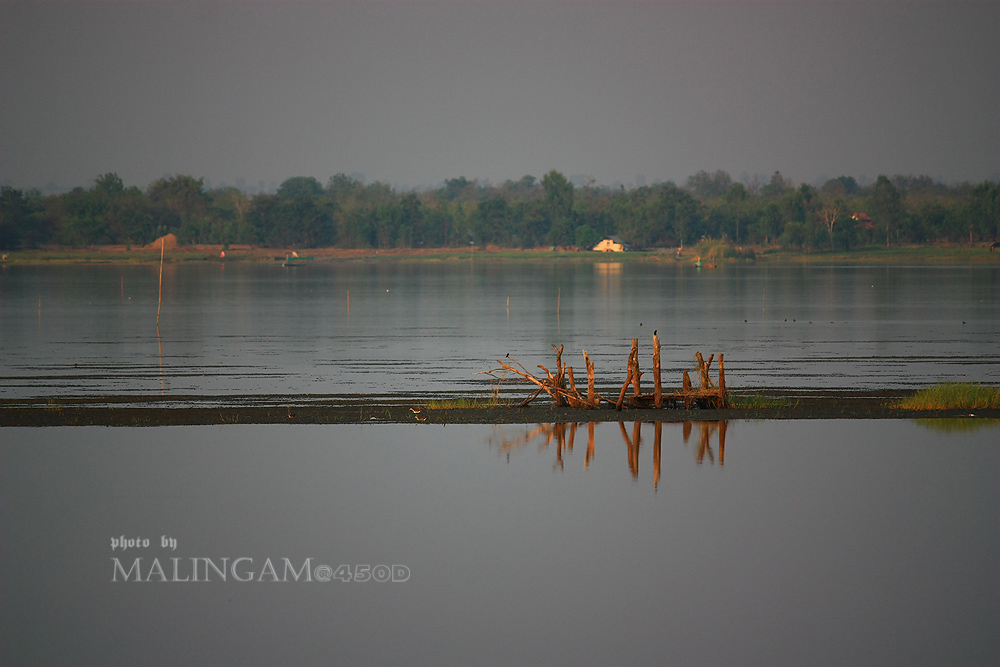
(844,542)
(430,327)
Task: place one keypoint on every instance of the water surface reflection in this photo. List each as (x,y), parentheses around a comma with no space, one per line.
(564,435)
(428,328)
(881,532)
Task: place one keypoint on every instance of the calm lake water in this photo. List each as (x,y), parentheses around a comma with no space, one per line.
(430,327)
(842,542)
(790,543)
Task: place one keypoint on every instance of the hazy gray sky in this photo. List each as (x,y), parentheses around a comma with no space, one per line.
(415,91)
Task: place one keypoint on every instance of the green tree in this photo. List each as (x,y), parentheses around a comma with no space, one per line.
(130,218)
(559,206)
(304,214)
(14,218)
(586,236)
(776,187)
(228,212)
(769,224)
(840,187)
(709,186)
(984,209)
(411,221)
(179,205)
(493,221)
(680,217)
(83,219)
(830,213)
(300,186)
(736,199)
(885,205)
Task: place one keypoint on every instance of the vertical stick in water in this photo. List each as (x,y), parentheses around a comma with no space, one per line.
(657,385)
(159,294)
(159,347)
(558,301)
(508,307)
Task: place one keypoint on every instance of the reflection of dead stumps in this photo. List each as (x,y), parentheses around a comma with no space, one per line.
(507,445)
(590,445)
(561,384)
(722,442)
(707,430)
(632,444)
(564,435)
(657,438)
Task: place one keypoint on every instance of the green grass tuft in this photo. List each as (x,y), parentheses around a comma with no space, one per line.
(953,396)
(460,403)
(756,401)
(716,251)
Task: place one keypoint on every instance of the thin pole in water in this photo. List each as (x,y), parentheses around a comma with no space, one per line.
(159,295)
(508,307)
(558,301)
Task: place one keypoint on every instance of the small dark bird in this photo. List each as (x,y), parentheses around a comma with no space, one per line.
(654,332)
(508,355)
(640,324)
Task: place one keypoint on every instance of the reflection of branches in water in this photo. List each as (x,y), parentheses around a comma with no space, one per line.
(557,432)
(708,429)
(551,432)
(564,435)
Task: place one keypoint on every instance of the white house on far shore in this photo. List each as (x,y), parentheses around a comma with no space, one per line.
(611,244)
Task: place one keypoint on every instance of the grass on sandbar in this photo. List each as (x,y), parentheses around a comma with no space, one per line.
(461,403)
(756,401)
(953,396)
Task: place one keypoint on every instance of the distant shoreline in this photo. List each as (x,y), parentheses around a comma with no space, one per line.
(873,255)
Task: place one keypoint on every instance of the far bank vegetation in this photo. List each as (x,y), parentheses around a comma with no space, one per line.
(346,212)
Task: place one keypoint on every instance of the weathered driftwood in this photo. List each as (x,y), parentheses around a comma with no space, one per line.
(561,384)
(657,386)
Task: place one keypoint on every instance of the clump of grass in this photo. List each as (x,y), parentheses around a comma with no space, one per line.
(460,403)
(756,401)
(715,251)
(953,396)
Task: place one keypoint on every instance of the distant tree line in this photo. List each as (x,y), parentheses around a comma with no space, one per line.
(525,213)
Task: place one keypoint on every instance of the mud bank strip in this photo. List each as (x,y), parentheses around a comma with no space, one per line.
(388,410)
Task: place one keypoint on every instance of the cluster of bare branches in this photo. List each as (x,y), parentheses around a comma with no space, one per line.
(561,385)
